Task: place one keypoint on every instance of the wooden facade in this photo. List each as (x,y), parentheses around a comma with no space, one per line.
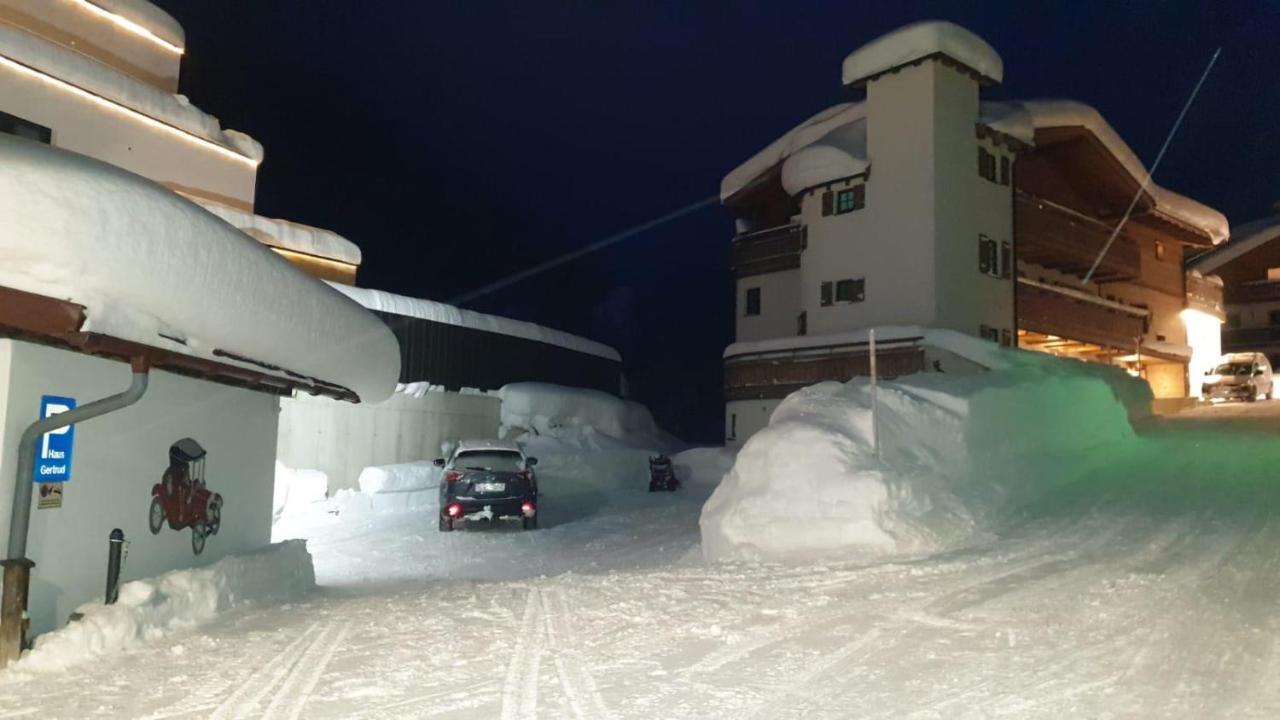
(768,251)
(776,375)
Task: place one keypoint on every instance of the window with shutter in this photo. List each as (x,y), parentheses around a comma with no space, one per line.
(1004,170)
(827,202)
(825,294)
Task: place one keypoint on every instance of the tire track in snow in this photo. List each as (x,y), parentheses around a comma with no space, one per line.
(292,696)
(799,693)
(579,686)
(244,699)
(520,690)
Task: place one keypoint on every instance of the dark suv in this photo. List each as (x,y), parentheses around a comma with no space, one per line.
(488,480)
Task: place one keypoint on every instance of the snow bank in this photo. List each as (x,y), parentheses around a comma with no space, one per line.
(589,418)
(957,454)
(150,609)
(285,234)
(88,74)
(401,477)
(918,41)
(297,490)
(150,267)
(439,312)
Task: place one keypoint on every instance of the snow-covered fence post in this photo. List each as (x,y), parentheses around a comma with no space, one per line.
(875,409)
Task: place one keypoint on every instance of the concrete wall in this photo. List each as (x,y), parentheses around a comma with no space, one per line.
(342,439)
(116,137)
(116,460)
(744,418)
(779,306)
(77,28)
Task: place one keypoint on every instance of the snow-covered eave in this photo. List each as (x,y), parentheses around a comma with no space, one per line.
(768,161)
(1249,236)
(286,234)
(383,301)
(151,269)
(1059,113)
(66,71)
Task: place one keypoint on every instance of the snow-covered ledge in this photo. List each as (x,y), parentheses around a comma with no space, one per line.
(917,42)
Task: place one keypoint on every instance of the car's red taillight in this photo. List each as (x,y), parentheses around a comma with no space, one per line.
(452,476)
(454,510)
(527,508)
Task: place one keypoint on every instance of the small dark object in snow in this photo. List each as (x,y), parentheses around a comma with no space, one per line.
(661,475)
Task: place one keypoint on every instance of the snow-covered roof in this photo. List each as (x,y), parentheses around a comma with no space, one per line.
(285,234)
(88,75)
(153,268)
(833,145)
(918,41)
(812,131)
(148,16)
(383,301)
(1070,113)
(1246,237)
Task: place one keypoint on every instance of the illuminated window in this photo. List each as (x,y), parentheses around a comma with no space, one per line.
(13,125)
(1159,250)
(854,198)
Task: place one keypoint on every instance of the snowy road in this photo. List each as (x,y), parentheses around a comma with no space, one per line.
(1152,589)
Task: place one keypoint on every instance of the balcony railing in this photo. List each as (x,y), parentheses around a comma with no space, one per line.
(1204,295)
(1259,291)
(776,376)
(1249,338)
(768,251)
(1062,239)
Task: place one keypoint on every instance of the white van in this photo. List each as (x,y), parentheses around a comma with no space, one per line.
(1239,376)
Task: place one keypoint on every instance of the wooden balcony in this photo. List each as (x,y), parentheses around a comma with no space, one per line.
(1250,338)
(1205,295)
(1249,292)
(1059,239)
(1075,316)
(768,251)
(774,376)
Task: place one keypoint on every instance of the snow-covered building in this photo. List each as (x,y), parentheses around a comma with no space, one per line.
(1248,269)
(453,362)
(100,77)
(128,234)
(920,205)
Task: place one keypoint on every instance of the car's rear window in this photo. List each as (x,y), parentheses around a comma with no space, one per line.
(495,460)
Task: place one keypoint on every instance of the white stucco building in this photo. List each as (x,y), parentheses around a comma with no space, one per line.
(921,206)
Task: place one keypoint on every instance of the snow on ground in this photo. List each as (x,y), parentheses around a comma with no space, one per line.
(1145,585)
(147,610)
(811,484)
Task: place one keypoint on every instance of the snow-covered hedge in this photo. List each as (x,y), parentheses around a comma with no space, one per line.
(956,453)
(149,609)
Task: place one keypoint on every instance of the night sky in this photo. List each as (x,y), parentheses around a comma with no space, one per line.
(457,143)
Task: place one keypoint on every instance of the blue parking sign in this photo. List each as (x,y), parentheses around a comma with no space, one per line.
(53,449)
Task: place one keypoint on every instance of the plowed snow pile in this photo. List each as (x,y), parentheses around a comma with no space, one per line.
(957,453)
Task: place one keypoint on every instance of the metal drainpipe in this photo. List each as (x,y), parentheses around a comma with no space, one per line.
(17,568)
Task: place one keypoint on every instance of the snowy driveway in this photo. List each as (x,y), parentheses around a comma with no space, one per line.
(1154,593)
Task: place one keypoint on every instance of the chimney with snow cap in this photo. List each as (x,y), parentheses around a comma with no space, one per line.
(934,242)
